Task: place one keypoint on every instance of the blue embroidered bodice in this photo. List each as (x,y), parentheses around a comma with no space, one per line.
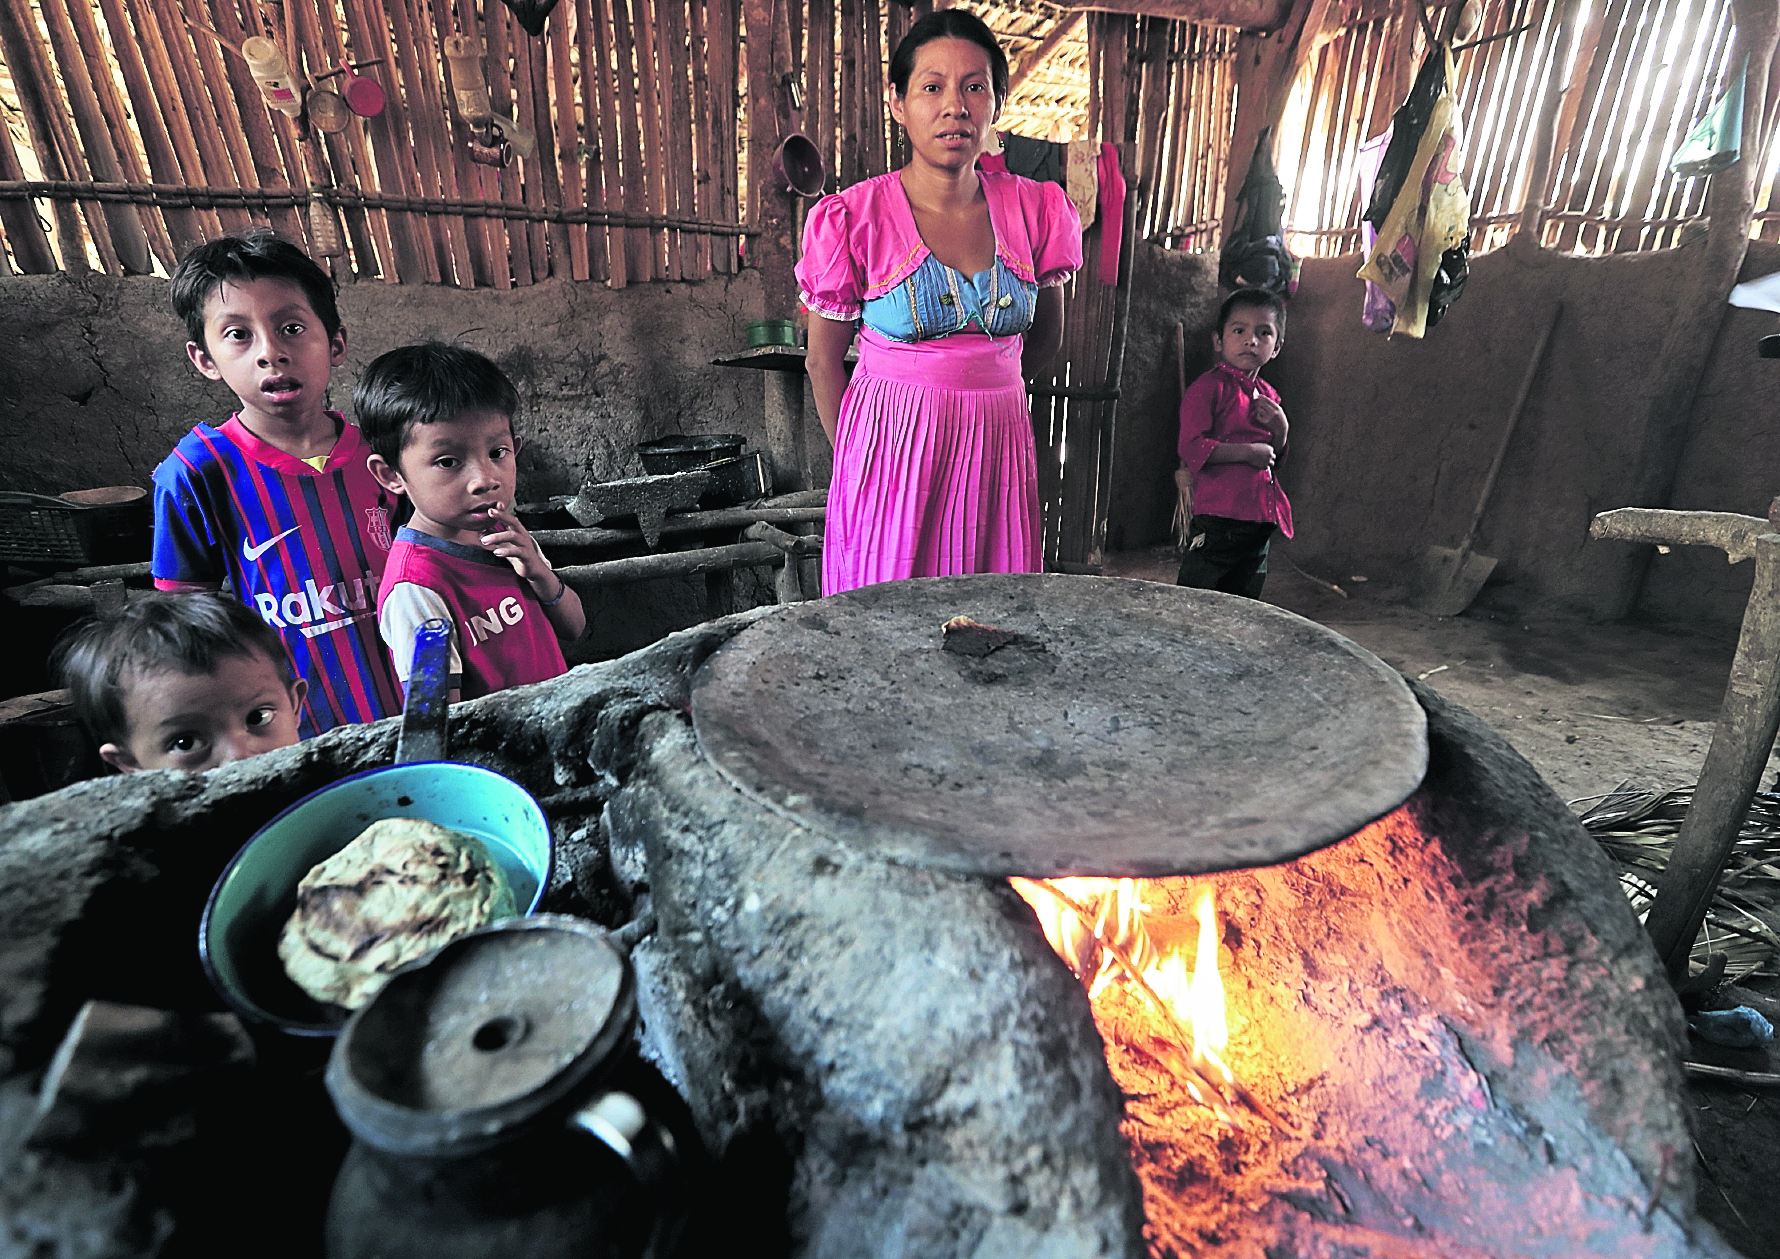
(937,301)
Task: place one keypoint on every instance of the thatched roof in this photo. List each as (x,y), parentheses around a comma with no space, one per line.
(1052,102)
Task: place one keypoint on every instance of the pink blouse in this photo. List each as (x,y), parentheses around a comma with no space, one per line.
(1215,409)
(861,242)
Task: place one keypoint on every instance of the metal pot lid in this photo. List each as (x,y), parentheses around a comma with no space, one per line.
(1114,727)
(500,1027)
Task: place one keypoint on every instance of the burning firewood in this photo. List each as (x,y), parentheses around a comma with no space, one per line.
(1202,1085)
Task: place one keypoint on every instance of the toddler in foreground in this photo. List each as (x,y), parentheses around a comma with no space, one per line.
(181,681)
(440,423)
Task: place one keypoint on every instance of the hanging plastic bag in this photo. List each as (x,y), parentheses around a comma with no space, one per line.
(1376,310)
(1407,126)
(1256,255)
(1431,215)
(1449,280)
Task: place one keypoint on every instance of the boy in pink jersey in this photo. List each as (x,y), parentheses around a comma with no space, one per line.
(440,423)
(276,504)
(1232,438)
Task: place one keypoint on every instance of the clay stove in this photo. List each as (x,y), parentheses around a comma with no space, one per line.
(1453,1011)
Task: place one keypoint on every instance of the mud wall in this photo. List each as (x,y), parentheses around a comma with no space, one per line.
(95,387)
(1170,287)
(1392,438)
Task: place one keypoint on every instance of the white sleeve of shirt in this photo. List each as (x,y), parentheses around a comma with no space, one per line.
(404,611)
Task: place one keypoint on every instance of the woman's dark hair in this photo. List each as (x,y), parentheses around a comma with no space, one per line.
(949,24)
(424,384)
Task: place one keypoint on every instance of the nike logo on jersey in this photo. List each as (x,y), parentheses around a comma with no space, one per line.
(250,552)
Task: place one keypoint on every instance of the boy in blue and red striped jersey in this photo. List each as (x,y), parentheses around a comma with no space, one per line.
(277,503)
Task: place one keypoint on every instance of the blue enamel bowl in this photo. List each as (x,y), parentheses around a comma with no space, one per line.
(257,893)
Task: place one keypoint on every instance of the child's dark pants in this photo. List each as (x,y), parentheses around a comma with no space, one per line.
(1227,555)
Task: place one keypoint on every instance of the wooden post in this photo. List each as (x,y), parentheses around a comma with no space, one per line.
(1700,308)
(773,250)
(1747,721)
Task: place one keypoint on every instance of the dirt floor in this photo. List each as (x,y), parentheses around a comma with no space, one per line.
(1591,706)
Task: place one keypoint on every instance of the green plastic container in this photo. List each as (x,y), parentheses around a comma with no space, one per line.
(771,332)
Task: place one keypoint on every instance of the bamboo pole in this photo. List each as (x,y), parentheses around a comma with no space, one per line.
(426,129)
(871,82)
(1173,125)
(1155,82)
(182,226)
(677,118)
(725,34)
(530,171)
(606,250)
(636,197)
(853,98)
(487,240)
(820,83)
(1096,75)
(93,75)
(549,241)
(1678,194)
(24,56)
(433,129)
(897,20)
(1553,102)
(183,195)
(655,169)
(30,244)
(327,155)
(498,32)
(367,233)
(1592,64)
(565,139)
(247,150)
(704,151)
(369,30)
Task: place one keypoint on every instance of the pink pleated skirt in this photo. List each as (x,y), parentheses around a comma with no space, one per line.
(934,469)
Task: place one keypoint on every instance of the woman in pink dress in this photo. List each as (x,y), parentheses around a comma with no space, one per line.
(954,274)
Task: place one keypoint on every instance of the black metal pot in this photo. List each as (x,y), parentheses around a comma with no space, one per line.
(498,1109)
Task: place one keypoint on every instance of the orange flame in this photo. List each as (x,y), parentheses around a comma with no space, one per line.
(1082,917)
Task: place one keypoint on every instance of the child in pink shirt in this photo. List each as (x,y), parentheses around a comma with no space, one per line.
(439,420)
(1232,437)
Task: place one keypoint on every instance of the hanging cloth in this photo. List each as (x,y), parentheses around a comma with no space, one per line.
(1112,213)
(1081,178)
(1716,142)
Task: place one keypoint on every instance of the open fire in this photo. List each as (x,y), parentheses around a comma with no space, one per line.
(1349,989)
(1099,927)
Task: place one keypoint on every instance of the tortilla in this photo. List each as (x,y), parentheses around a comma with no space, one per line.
(401,889)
